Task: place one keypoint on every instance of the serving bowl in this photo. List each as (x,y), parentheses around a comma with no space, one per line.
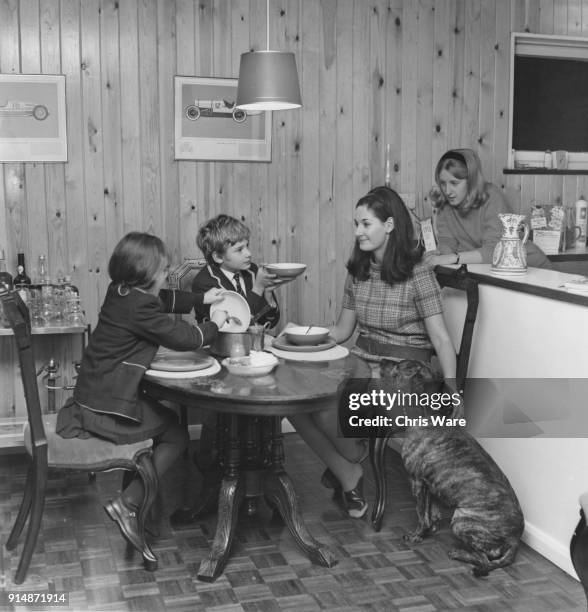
(226,343)
(257,363)
(304,335)
(286,270)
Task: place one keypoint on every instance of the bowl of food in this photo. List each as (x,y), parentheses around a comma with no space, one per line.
(257,363)
(286,270)
(306,335)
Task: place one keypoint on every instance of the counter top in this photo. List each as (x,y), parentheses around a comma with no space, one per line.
(536,281)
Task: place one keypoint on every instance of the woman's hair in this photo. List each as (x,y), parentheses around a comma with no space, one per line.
(220,233)
(401,253)
(471,170)
(137,259)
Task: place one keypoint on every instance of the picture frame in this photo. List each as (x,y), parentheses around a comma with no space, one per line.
(32,118)
(208,126)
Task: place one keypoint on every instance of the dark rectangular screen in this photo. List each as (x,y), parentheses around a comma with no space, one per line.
(550,104)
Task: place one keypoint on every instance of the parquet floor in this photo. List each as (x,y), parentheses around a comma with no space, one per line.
(80,551)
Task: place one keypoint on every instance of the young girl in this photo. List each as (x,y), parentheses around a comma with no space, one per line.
(131,326)
(394,300)
(468,225)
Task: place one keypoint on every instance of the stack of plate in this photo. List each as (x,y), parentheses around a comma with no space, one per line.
(578,285)
(182,364)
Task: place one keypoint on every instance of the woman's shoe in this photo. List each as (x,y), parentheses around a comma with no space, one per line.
(354,501)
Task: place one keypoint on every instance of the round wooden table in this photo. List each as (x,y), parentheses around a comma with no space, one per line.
(251,410)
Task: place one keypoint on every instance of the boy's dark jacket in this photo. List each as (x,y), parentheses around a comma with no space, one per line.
(130,329)
(212,276)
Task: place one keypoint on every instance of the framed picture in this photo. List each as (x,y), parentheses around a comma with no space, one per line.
(209,126)
(32,118)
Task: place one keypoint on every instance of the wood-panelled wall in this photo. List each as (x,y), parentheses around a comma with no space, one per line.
(422,75)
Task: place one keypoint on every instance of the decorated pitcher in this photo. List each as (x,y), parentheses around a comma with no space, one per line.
(510,256)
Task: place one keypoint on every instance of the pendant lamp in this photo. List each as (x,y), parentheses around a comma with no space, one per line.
(268,80)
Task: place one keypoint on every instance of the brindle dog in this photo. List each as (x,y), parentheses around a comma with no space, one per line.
(447,464)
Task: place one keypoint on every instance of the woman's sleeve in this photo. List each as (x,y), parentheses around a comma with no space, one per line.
(491,224)
(428,300)
(348,294)
(446,241)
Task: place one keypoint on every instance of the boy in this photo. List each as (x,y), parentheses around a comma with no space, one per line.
(224,241)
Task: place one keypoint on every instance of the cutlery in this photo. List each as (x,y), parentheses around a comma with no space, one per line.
(309,328)
(236,320)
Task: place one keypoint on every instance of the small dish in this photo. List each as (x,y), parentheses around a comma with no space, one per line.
(577,285)
(238,308)
(258,363)
(306,335)
(282,344)
(286,270)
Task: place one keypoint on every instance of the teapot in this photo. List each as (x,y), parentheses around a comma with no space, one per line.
(510,256)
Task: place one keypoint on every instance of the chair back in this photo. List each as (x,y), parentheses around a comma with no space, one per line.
(182,276)
(459,279)
(17,314)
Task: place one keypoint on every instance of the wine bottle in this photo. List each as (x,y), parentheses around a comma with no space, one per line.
(21,277)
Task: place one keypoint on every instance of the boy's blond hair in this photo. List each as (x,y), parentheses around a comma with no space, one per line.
(220,233)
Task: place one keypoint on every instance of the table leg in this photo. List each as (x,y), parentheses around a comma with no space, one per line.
(230,498)
(279,491)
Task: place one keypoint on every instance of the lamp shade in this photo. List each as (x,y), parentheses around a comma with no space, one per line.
(268,80)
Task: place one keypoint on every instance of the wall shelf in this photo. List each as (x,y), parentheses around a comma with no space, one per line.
(541,171)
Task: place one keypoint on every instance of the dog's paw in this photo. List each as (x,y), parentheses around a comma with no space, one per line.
(415,537)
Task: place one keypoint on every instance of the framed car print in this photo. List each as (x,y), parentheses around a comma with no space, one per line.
(32,118)
(208,125)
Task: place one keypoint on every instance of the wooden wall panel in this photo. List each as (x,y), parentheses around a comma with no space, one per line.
(418,74)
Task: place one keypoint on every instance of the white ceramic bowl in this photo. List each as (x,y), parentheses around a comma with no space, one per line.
(257,363)
(286,270)
(302,336)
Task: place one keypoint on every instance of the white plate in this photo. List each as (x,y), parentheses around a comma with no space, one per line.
(580,284)
(181,361)
(209,371)
(236,305)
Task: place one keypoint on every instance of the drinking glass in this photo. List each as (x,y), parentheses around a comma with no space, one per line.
(75,314)
(257,332)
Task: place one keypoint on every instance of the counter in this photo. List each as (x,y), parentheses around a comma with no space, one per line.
(572,261)
(528,327)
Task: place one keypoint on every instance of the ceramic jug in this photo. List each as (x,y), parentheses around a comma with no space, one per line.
(510,256)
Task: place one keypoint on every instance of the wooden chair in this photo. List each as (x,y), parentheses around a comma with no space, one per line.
(47,450)
(378,442)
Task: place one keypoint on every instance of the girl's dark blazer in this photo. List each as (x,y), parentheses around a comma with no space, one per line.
(212,276)
(130,329)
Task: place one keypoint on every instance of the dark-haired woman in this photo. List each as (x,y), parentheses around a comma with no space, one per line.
(468,225)
(394,300)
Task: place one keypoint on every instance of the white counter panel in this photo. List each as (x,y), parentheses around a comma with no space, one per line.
(520,335)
